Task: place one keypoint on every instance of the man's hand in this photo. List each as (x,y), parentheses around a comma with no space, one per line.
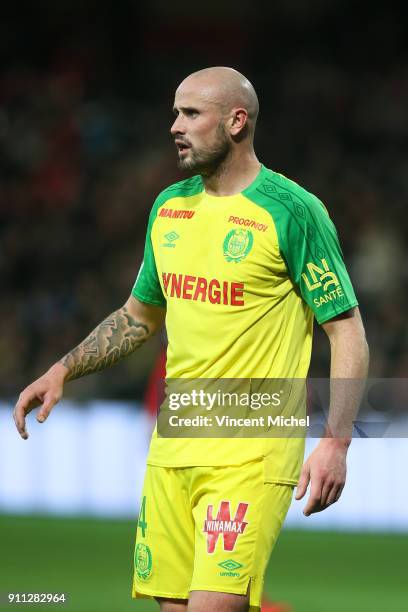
(45,391)
(326,466)
(117,336)
(326,469)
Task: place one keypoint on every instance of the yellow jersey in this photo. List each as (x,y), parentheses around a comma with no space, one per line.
(242,278)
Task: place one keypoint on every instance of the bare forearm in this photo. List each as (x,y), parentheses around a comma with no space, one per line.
(117,336)
(326,466)
(349,357)
(348,372)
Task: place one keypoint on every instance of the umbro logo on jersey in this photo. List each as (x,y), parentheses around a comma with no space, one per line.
(176,214)
(248,223)
(171,237)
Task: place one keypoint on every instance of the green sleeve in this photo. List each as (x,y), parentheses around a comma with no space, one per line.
(310,246)
(308,243)
(147,285)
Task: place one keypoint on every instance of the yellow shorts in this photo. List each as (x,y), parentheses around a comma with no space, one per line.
(207,529)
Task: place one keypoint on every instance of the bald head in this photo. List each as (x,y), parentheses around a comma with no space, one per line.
(225,87)
(228,87)
(216,111)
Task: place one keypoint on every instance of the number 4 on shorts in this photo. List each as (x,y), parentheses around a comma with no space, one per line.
(142,517)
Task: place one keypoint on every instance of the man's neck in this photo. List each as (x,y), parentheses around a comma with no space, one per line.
(233,176)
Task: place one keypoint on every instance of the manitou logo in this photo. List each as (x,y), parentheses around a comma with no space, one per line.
(176,214)
(223,525)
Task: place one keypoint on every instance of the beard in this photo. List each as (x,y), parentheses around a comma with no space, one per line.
(207,161)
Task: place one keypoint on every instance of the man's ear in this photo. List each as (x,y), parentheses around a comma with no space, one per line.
(238,121)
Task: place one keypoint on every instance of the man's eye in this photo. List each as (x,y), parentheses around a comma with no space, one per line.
(192,114)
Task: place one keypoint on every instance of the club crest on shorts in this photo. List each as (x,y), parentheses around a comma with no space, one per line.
(143,561)
(237,244)
(223,525)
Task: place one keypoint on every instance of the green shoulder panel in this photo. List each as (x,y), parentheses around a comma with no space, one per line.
(182,189)
(308,243)
(147,285)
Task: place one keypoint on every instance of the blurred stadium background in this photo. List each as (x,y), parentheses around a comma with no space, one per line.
(85,109)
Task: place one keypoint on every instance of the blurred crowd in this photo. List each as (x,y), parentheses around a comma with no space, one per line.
(82,158)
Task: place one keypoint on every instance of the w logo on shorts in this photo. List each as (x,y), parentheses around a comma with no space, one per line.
(230,529)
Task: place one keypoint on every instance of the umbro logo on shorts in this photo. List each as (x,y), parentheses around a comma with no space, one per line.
(223,525)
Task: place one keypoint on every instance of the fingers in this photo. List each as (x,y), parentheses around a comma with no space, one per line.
(28,400)
(19,420)
(330,494)
(334,495)
(48,404)
(313,503)
(25,404)
(303,482)
(327,489)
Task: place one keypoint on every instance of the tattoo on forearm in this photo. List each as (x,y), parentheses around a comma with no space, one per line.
(116,337)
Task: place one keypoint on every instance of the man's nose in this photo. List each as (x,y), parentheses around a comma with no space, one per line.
(177,127)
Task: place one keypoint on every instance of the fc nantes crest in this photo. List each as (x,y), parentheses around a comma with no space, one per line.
(143,561)
(237,245)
